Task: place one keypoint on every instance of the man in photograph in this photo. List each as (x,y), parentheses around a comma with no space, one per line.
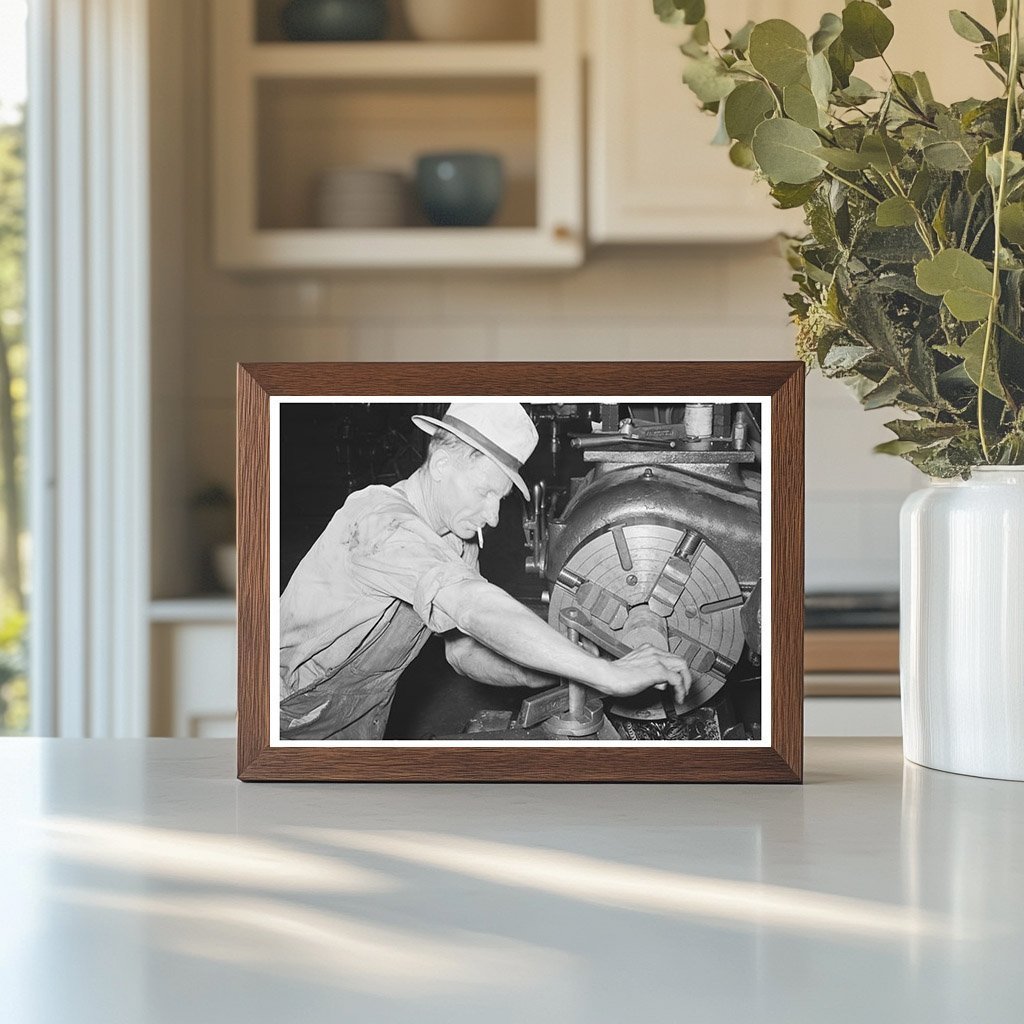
(398,563)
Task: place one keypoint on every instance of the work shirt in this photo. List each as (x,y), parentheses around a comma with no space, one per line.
(359,608)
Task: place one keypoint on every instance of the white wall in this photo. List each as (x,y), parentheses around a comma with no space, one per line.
(721,302)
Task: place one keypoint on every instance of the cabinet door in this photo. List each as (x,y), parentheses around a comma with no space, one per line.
(653,174)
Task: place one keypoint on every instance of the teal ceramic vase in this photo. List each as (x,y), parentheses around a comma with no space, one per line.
(334,20)
(460,189)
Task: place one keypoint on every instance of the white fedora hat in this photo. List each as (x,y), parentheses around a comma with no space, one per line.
(503,431)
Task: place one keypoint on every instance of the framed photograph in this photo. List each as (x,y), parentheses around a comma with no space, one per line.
(520,572)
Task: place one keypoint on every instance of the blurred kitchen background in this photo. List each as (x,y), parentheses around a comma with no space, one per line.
(250,193)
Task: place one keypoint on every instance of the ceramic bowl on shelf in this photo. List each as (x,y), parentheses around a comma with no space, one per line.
(334,20)
(361,198)
(460,189)
(468,20)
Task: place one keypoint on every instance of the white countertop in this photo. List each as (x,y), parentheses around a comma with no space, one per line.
(143,884)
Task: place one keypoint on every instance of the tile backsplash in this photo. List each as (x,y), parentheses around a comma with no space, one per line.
(718,302)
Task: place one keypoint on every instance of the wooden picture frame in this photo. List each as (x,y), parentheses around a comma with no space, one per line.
(778,386)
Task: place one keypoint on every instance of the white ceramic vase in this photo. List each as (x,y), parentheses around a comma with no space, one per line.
(962,624)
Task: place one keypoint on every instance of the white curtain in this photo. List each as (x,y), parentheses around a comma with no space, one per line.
(88,320)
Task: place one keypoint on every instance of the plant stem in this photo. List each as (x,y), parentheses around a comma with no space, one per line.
(970,215)
(993,308)
(981,231)
(922,225)
(771,90)
(855,187)
(908,101)
(1012,334)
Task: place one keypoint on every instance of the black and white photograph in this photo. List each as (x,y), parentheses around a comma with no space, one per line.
(519,571)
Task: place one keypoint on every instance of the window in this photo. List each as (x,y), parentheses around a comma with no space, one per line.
(14,548)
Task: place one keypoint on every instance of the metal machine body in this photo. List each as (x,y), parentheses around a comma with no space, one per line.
(659,543)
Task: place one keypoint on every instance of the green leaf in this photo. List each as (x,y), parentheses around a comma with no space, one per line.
(745,108)
(866,29)
(1011,226)
(785,152)
(999,7)
(739,41)
(694,11)
(976,174)
(800,105)
(968,28)
(789,197)
(1014,169)
(946,156)
(895,447)
(858,91)
(844,159)
(829,30)
(924,88)
(822,222)
(967,304)
(896,212)
(820,76)
(906,89)
(923,431)
(883,153)
(971,352)
(963,281)
(676,12)
(778,50)
(708,81)
(997,53)
(667,11)
(701,33)
(885,394)
(841,60)
(939,220)
(921,185)
(921,369)
(742,155)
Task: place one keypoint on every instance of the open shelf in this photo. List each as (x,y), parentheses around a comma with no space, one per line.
(393,60)
(288,113)
(518,17)
(308,127)
(406,248)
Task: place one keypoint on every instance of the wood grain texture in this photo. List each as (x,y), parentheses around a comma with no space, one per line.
(787,540)
(852,650)
(783,382)
(252,485)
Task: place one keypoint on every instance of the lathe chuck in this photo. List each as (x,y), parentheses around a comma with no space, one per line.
(660,584)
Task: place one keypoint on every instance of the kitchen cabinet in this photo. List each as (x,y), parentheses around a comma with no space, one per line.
(653,175)
(192,649)
(286,113)
(852,682)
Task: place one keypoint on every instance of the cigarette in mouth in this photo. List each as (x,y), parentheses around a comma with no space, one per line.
(479,537)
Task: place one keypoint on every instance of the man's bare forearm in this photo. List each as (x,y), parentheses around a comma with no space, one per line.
(473,659)
(498,621)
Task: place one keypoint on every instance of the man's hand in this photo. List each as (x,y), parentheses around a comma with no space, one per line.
(497,621)
(644,666)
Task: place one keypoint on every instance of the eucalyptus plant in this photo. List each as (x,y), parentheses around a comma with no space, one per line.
(911,275)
